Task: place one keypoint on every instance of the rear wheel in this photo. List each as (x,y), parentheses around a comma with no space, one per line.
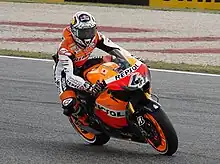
(90,138)
(161,134)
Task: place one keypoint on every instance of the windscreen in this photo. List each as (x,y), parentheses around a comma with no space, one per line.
(120,59)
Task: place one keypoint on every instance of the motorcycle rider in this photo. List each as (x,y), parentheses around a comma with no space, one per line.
(79,40)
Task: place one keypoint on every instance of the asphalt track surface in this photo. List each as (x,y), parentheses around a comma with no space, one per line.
(34,130)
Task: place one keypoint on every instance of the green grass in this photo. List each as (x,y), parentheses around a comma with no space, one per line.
(114,5)
(152,64)
(27,54)
(186,67)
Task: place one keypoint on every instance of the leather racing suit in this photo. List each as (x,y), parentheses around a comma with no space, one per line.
(71,60)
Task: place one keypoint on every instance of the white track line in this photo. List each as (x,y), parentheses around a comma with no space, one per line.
(25,58)
(185,72)
(158,70)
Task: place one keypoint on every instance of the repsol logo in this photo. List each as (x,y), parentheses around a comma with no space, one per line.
(110,112)
(126,72)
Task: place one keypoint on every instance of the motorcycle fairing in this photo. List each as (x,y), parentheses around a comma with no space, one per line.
(123,79)
(109,109)
(103,72)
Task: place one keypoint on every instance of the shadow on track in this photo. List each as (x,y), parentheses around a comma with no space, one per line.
(82,153)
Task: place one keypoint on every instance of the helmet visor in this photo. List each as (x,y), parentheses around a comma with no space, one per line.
(87,33)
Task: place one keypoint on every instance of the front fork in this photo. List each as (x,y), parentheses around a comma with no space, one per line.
(136,119)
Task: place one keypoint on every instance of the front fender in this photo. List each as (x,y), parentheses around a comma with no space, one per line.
(152,106)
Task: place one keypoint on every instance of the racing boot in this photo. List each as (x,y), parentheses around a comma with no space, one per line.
(81,115)
(71,106)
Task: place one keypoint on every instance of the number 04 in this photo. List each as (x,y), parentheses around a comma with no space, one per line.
(136,80)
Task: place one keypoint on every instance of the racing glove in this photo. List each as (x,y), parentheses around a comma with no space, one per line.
(96,88)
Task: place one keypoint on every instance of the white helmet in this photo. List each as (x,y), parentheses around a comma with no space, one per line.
(83,28)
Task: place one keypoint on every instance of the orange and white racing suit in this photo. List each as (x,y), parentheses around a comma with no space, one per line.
(71,60)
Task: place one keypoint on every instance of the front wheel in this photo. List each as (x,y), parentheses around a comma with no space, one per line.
(90,138)
(161,134)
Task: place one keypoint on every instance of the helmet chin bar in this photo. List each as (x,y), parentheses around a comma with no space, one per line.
(87,41)
(79,41)
(82,43)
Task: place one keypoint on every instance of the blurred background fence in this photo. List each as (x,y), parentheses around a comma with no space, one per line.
(131,2)
(178,4)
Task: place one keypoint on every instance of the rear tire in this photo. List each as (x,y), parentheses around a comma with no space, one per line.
(166,130)
(90,138)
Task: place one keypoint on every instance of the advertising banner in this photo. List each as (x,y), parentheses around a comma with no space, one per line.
(192,4)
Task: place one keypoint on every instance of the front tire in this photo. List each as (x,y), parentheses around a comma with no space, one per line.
(168,142)
(90,138)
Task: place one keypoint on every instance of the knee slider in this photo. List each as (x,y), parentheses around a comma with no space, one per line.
(69,103)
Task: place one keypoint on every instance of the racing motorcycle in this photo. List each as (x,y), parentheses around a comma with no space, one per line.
(126,109)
